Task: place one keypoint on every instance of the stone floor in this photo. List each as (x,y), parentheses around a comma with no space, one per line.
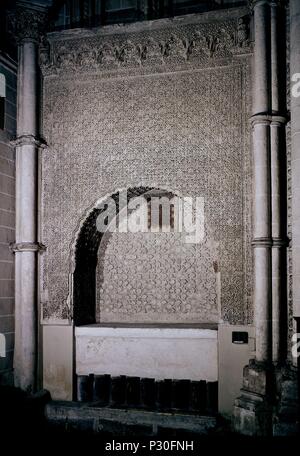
(23,421)
(127,422)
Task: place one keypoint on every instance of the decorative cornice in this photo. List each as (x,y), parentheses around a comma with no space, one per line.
(193,44)
(29,24)
(28,140)
(27,247)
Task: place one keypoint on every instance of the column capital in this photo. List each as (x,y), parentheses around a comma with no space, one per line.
(29,23)
(254,3)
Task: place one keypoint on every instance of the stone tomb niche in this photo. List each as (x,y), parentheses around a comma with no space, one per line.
(145,304)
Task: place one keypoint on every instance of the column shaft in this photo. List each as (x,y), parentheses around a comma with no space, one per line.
(279,241)
(262,182)
(261,82)
(26,219)
(278,191)
(27,94)
(262,236)
(295,161)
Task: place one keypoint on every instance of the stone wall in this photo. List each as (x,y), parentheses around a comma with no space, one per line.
(7,219)
(162,104)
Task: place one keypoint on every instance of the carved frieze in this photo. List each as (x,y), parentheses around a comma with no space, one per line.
(192,44)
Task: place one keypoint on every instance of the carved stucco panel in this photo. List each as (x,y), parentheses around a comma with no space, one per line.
(156,277)
(185,131)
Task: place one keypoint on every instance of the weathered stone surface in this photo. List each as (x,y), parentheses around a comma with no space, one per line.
(120,422)
(252,416)
(256,378)
(253,410)
(286,413)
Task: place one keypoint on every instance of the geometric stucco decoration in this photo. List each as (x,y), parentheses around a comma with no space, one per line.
(165,107)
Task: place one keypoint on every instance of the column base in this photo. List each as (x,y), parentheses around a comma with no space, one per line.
(269,403)
(252,415)
(286,413)
(253,410)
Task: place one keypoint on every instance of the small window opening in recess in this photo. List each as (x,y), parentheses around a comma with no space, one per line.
(2,100)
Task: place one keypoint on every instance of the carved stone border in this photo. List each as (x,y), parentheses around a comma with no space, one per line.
(191,42)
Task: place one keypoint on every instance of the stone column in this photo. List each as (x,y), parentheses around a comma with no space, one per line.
(28,25)
(265,405)
(295,166)
(295,162)
(262,232)
(278,194)
(252,411)
(279,243)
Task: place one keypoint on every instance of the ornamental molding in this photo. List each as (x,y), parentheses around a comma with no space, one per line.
(28,140)
(269,119)
(27,247)
(174,45)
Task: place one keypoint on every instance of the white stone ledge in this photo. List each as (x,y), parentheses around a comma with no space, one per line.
(176,353)
(144,332)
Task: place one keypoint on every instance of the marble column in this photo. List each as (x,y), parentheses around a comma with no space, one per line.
(28,24)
